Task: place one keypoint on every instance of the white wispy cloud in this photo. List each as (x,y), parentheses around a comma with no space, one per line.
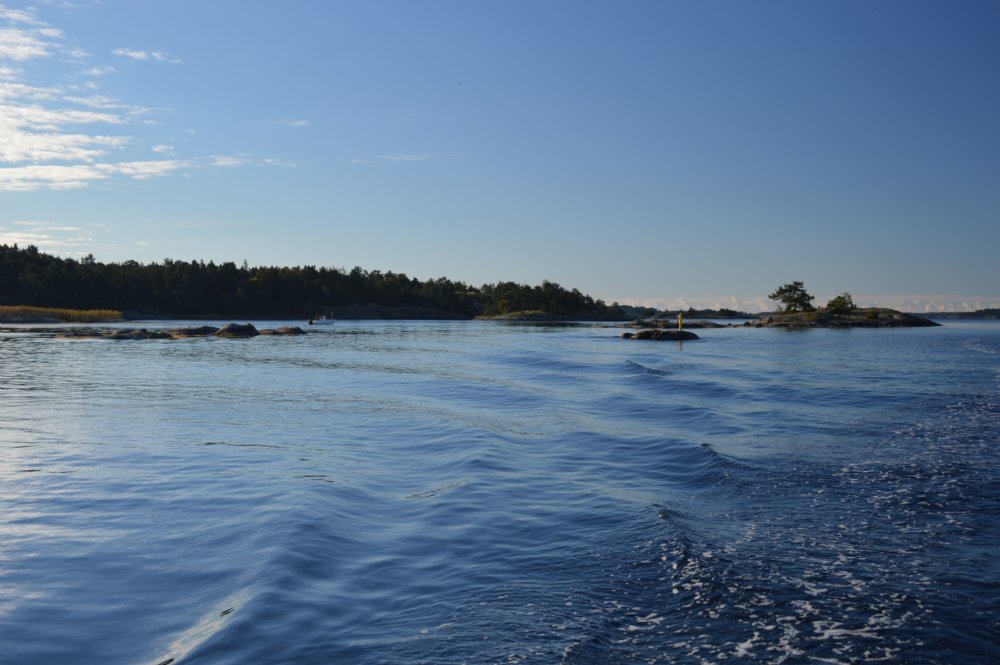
(41,147)
(20,91)
(17,16)
(19,44)
(48,226)
(100,71)
(128,53)
(69,135)
(403,157)
(34,133)
(163,57)
(44,241)
(36,121)
(144,170)
(242,159)
(158,56)
(929,303)
(396,157)
(295,123)
(75,176)
(50,236)
(228,160)
(106,103)
(48,176)
(38,117)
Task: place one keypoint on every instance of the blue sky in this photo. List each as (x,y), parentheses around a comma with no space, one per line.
(692,153)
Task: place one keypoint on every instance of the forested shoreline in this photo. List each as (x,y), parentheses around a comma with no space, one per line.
(989,314)
(30,277)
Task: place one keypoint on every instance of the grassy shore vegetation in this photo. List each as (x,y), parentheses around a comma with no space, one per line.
(21,312)
(196,288)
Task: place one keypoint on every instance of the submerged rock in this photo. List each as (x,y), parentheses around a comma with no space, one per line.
(237,330)
(675,335)
(198,331)
(140,333)
(285,330)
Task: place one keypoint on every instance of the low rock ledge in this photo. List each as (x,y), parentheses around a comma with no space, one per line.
(661,334)
(228,331)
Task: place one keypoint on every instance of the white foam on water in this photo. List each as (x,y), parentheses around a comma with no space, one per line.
(834,630)
(206,627)
(743,649)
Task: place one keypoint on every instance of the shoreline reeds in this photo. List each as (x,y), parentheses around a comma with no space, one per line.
(15,313)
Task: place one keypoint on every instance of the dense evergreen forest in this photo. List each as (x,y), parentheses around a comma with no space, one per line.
(196,288)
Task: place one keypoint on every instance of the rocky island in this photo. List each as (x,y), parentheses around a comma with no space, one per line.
(228,331)
(797,311)
(860,317)
(662,334)
(839,312)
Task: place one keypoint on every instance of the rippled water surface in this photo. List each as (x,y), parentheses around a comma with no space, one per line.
(475,492)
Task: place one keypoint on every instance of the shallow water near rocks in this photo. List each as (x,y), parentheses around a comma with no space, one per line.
(484,492)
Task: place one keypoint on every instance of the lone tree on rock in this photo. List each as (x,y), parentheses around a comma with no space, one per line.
(842,304)
(793,297)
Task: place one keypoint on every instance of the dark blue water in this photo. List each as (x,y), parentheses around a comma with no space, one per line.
(478,492)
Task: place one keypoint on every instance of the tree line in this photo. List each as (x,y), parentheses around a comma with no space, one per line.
(33,278)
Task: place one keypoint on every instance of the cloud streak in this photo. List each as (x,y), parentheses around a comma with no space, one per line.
(100,71)
(158,56)
(76,176)
(50,236)
(17,16)
(39,147)
(396,157)
(228,160)
(19,44)
(44,235)
(49,176)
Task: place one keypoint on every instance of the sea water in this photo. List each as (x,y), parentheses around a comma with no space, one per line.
(482,492)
